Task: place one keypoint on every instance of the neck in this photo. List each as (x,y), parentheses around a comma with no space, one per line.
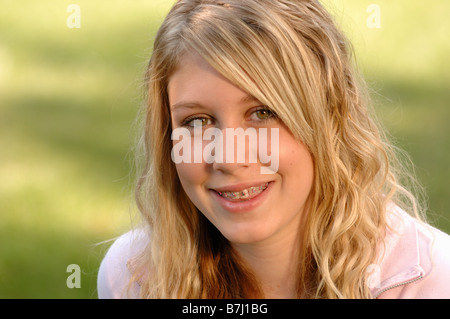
(274,263)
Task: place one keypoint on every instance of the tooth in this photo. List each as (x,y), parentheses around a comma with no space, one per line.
(244,193)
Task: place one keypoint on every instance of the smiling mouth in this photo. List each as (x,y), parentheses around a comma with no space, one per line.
(245,194)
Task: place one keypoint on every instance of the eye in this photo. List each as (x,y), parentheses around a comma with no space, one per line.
(196,122)
(262,114)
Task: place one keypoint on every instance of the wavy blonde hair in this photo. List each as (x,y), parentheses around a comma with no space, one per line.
(289,55)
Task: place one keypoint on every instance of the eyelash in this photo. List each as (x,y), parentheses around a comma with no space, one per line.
(186,122)
(190,119)
(263,108)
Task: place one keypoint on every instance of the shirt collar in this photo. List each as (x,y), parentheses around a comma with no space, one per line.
(402,257)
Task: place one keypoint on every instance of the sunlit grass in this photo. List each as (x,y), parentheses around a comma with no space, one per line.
(69,98)
(68,101)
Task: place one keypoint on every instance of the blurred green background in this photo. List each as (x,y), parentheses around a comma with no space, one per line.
(68,104)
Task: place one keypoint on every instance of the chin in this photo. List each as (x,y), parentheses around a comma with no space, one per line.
(245,235)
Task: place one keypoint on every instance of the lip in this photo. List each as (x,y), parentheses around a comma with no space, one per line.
(241,206)
(238,187)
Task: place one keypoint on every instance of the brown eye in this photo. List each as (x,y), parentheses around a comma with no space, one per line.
(197,122)
(263,114)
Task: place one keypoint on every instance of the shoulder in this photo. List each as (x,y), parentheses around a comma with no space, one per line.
(414,260)
(435,255)
(114,274)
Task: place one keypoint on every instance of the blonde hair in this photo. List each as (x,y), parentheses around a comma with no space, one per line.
(290,56)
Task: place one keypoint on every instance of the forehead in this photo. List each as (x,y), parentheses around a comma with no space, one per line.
(192,67)
(196,80)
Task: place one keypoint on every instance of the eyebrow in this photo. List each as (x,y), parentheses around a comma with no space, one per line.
(249,98)
(192,105)
(186,104)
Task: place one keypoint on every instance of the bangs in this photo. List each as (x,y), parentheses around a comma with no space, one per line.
(247,54)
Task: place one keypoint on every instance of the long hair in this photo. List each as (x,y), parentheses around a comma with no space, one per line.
(290,56)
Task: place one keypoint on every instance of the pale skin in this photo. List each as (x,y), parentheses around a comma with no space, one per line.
(265,229)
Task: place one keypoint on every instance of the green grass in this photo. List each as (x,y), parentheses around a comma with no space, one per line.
(69,98)
(68,101)
(406,64)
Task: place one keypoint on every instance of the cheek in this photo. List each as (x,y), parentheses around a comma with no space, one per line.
(192,178)
(192,171)
(181,155)
(190,174)
(296,163)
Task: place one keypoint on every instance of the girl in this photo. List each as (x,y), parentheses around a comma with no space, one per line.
(330,221)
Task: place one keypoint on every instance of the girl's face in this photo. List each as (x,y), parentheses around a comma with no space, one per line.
(245,205)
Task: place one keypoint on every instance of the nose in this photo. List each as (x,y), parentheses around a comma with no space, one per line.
(235,151)
(229,168)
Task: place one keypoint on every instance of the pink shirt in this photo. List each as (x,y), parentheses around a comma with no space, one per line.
(415,263)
